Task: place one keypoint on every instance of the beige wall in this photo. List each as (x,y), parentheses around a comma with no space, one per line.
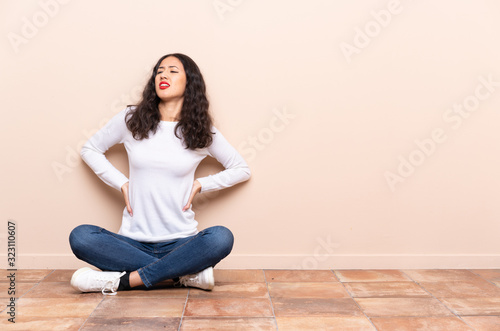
(374,149)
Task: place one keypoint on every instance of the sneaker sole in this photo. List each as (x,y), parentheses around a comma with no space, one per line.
(76,274)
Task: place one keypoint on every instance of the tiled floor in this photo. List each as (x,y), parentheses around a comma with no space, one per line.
(266,300)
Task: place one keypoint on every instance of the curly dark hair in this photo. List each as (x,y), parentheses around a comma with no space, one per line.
(195,119)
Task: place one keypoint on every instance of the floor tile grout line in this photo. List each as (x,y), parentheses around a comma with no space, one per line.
(90,315)
(450,309)
(183,310)
(489,281)
(357,304)
(31,288)
(411,316)
(53,270)
(270,299)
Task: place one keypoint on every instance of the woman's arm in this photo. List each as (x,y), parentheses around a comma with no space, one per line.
(93,151)
(236,171)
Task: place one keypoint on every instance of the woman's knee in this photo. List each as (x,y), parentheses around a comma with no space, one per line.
(223,239)
(80,235)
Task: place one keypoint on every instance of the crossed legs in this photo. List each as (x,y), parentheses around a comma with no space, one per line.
(150,263)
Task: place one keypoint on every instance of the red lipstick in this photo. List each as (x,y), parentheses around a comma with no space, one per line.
(164,85)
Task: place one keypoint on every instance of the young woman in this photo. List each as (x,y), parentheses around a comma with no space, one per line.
(166,136)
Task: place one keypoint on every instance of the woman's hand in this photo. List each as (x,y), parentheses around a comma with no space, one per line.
(196,189)
(125,196)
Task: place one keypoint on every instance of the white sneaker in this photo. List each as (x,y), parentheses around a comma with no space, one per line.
(88,280)
(203,279)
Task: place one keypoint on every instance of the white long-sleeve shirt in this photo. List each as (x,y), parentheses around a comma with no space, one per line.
(161,176)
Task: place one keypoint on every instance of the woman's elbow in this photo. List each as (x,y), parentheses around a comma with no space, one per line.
(247,172)
(83,152)
(87,152)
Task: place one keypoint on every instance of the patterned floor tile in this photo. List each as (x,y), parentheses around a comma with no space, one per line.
(300,276)
(228,323)
(385,289)
(371,276)
(241,307)
(420,324)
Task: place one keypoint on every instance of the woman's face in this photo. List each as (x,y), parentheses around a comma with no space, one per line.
(170,80)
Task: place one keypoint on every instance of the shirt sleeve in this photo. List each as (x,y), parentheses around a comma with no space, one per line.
(236,171)
(93,150)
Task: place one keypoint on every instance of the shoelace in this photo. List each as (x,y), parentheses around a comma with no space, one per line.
(109,285)
(185,280)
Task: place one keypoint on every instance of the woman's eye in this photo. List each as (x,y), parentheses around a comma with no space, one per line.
(175,72)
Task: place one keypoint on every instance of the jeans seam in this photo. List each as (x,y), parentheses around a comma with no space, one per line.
(144,278)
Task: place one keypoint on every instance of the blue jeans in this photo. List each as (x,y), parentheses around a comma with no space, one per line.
(155,262)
